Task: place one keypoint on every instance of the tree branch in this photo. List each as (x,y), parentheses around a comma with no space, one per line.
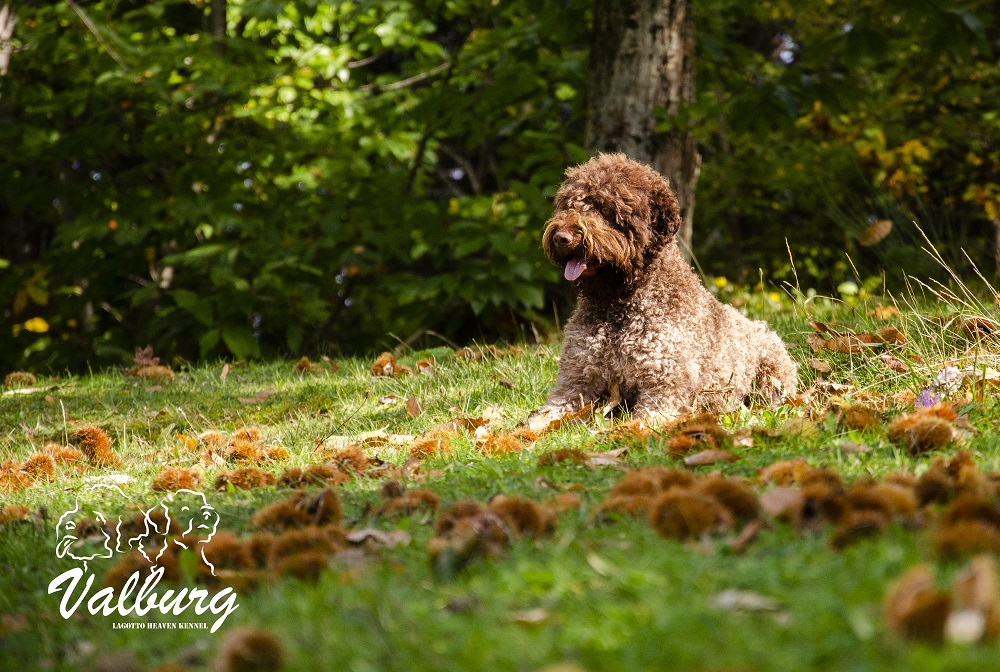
(93,29)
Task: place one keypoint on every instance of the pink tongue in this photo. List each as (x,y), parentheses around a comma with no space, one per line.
(574,269)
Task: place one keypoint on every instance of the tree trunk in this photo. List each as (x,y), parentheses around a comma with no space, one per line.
(218,16)
(642,66)
(7,23)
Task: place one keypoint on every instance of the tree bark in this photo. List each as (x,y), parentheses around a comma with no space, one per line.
(7,22)
(642,65)
(218,17)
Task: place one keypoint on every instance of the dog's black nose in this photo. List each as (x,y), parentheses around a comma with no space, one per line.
(562,238)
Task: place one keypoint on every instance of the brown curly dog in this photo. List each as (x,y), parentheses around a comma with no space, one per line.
(645,331)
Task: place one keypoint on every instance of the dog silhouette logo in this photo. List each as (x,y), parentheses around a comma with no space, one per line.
(85,532)
(188,522)
(183,519)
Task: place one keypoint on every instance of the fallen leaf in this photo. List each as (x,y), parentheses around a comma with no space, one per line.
(831,387)
(819,365)
(225,372)
(977,326)
(613,402)
(412,407)
(606,459)
(732,599)
(389,539)
(785,503)
(855,448)
(850,344)
(531,616)
(883,312)
(820,327)
(816,342)
(144,356)
(893,362)
(709,457)
(388,400)
(505,382)
(891,335)
(261,396)
(23,390)
(492,413)
(747,536)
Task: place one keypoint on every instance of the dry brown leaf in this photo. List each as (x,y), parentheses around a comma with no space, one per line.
(820,327)
(747,536)
(816,342)
(709,457)
(875,233)
(785,503)
(891,335)
(505,383)
(387,539)
(850,344)
(819,365)
(225,372)
(261,396)
(830,387)
(412,407)
(855,448)
(978,327)
(609,458)
(881,312)
(144,356)
(893,362)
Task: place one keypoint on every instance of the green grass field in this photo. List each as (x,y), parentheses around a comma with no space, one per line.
(597,593)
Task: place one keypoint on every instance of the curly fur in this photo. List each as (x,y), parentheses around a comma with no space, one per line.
(645,329)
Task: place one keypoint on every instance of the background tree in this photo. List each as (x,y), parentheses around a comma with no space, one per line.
(640,86)
(343,175)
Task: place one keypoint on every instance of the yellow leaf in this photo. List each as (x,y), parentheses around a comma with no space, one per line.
(37,325)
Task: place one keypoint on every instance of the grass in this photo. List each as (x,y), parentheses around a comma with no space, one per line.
(590,596)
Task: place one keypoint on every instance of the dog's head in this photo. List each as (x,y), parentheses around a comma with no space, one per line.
(612,216)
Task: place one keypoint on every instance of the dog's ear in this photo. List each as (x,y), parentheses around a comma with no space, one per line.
(664,210)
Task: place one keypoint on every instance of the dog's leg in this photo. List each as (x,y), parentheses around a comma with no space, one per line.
(777,373)
(574,389)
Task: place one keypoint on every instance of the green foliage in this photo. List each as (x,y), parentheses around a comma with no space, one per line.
(331,173)
(817,119)
(327,173)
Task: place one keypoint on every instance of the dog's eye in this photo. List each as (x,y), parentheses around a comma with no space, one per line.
(607,211)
